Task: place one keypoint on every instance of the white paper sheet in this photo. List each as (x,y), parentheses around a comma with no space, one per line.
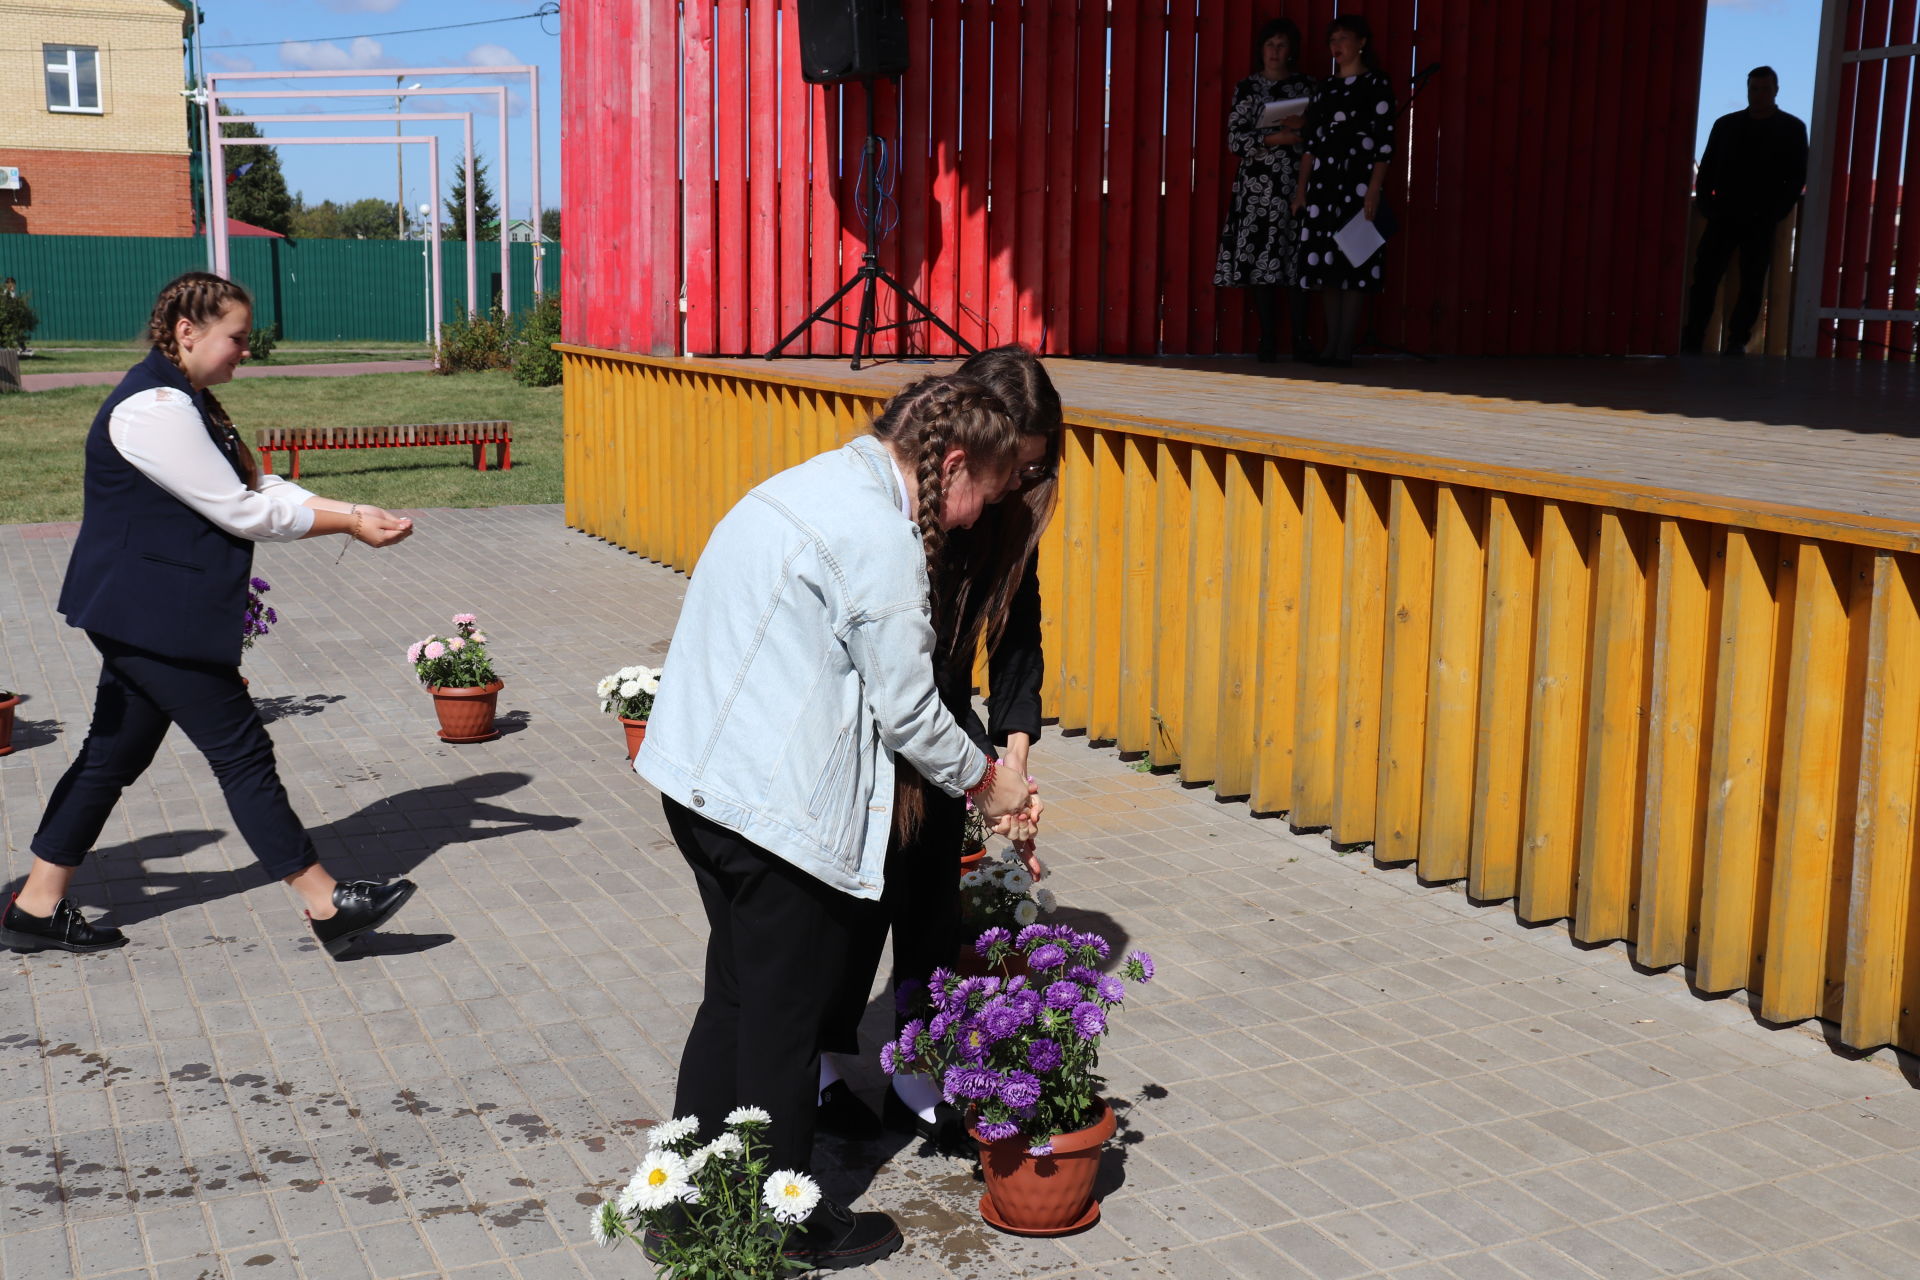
(1359,239)
(1274,112)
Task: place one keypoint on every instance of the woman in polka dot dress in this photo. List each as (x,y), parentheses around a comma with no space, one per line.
(1349,145)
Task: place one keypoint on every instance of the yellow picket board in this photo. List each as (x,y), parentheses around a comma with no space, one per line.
(1077,515)
(1200,745)
(1174,515)
(1281,488)
(1404,664)
(1616,754)
(1322,552)
(1244,592)
(1140,548)
(1493,870)
(1453,682)
(1363,623)
(1556,720)
(1109,579)
(1682,670)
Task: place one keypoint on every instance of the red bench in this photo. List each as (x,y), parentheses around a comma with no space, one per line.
(478,435)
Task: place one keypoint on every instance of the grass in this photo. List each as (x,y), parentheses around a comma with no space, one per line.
(42,434)
(115,358)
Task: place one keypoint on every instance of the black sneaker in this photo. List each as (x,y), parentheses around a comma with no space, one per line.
(65,930)
(842,1114)
(359,906)
(834,1238)
(947,1131)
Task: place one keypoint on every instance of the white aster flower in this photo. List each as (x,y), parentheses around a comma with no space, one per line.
(631,673)
(790,1194)
(606,687)
(748,1115)
(727,1144)
(661,1180)
(668,1132)
(606,1218)
(1017,880)
(651,684)
(1025,913)
(631,689)
(972,880)
(1046,899)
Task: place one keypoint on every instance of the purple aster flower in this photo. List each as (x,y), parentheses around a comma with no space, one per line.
(1031,934)
(990,939)
(260,584)
(1094,940)
(996,1130)
(976,1083)
(1063,995)
(974,1043)
(1020,1089)
(909,1036)
(1017,983)
(1084,976)
(905,993)
(1041,1148)
(939,981)
(1044,1055)
(941,1023)
(1089,1020)
(1140,966)
(1001,1020)
(1112,990)
(1048,955)
(889,1060)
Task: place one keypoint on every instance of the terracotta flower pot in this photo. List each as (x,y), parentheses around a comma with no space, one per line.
(971,861)
(466,715)
(1044,1195)
(636,734)
(6,723)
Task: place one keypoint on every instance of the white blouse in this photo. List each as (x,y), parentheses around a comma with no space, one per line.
(160,432)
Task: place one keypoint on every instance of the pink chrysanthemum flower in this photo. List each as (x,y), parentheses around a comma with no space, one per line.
(435,650)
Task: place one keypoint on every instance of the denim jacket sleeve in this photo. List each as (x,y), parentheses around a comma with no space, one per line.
(892,649)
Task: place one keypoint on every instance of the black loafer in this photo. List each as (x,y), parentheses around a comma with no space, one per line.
(358,907)
(834,1237)
(947,1131)
(842,1114)
(65,930)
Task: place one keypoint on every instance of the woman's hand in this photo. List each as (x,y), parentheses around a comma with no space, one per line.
(1278,138)
(378,528)
(1299,196)
(1006,794)
(1372,205)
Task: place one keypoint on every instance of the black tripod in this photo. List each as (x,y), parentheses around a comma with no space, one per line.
(870,275)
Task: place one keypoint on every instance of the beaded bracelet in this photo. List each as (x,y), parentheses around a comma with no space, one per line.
(985,784)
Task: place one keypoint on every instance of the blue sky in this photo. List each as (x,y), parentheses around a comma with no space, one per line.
(1744,34)
(352,35)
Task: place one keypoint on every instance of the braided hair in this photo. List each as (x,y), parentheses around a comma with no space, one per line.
(200,297)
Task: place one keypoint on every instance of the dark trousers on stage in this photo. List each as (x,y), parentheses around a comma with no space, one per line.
(140,696)
(777,948)
(1752,239)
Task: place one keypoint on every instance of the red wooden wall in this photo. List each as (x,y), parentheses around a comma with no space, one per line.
(1060,173)
(1872,251)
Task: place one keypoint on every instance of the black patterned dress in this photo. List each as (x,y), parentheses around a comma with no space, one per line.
(1350,129)
(1258,241)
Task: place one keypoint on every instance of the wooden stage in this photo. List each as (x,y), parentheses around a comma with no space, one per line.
(1833,443)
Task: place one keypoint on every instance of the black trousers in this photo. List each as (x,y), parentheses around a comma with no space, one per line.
(141,695)
(1752,239)
(921,905)
(777,947)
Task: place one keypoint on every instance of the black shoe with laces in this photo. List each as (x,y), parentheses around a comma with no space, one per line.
(834,1237)
(65,930)
(842,1114)
(359,907)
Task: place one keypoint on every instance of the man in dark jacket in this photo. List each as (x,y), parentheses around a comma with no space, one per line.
(1750,177)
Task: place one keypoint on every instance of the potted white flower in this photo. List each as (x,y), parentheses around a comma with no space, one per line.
(628,694)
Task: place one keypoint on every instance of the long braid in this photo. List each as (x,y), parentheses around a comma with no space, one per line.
(200,297)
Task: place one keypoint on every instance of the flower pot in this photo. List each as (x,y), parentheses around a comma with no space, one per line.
(971,860)
(6,723)
(1048,1195)
(466,715)
(636,734)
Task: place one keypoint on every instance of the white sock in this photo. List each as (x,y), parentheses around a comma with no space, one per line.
(919,1092)
(829,1074)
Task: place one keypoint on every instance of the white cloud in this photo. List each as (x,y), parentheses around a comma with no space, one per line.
(362,6)
(228,62)
(492,55)
(327,56)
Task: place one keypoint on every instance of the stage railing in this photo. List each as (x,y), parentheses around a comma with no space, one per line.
(1690,724)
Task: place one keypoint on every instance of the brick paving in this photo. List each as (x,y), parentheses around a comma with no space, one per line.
(1340,1072)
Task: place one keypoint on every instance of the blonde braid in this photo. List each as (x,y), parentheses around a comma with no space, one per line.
(200,297)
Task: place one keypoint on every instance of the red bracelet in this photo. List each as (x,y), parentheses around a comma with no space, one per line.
(986,781)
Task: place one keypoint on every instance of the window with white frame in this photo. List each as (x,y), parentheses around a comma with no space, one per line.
(73,77)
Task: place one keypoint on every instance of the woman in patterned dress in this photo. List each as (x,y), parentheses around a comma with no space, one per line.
(1259,243)
(1349,146)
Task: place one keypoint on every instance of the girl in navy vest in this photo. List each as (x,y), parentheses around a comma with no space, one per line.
(158,580)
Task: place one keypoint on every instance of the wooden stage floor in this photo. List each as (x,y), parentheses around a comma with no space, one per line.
(1837,439)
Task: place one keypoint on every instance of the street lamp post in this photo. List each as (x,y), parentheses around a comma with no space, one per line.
(399,161)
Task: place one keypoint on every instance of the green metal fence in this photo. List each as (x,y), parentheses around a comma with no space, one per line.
(100,288)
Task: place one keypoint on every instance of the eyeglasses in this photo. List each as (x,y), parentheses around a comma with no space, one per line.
(1036,472)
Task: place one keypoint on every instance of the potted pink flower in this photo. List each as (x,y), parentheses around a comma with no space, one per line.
(458,671)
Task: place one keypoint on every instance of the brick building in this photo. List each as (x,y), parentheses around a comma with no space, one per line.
(95,121)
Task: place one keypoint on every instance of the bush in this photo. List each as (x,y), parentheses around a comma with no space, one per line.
(537,364)
(261,342)
(17,322)
(475,343)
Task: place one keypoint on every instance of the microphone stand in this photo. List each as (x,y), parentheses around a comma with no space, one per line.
(1371,339)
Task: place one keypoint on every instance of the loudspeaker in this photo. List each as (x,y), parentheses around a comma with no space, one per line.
(852,40)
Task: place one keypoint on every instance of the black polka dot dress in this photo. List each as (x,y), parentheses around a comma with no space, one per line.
(1350,129)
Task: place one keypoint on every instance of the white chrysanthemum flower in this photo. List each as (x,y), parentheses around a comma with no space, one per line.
(661,1180)
(651,684)
(629,673)
(606,1218)
(671,1131)
(972,880)
(727,1144)
(1017,880)
(748,1115)
(631,689)
(606,686)
(1025,913)
(790,1194)
(1046,899)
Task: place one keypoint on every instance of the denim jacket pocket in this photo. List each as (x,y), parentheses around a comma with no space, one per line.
(832,780)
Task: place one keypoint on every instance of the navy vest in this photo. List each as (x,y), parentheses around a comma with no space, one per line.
(147,569)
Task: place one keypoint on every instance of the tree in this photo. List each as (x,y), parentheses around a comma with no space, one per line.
(485,212)
(369,219)
(315,221)
(256,189)
(550,224)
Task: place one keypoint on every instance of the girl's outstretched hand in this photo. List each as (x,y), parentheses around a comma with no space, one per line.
(379,528)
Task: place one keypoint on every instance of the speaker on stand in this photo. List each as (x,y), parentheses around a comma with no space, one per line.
(864,40)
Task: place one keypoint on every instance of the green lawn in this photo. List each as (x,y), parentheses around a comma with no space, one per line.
(42,434)
(101,359)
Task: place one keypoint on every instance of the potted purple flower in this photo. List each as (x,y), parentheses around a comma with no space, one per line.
(259,618)
(1023,1054)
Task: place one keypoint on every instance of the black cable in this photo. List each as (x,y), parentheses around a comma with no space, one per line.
(550,9)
